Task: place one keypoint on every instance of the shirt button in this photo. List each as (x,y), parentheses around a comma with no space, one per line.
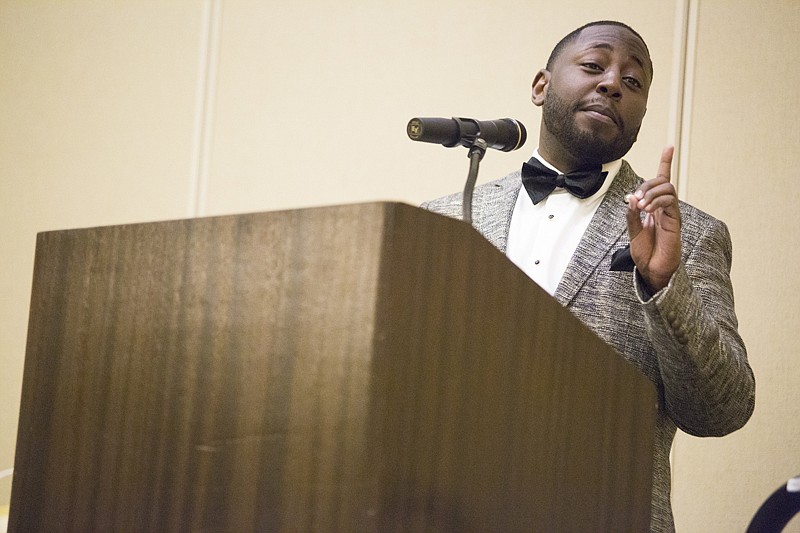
(550,216)
(536,262)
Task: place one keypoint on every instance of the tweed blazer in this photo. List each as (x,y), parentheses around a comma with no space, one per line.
(684,338)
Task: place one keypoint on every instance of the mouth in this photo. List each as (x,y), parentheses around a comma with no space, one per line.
(602,113)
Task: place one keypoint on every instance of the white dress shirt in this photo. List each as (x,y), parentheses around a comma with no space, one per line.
(543,237)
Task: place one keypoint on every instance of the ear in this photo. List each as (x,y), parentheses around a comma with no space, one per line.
(539,88)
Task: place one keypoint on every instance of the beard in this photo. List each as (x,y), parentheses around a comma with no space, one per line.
(559,119)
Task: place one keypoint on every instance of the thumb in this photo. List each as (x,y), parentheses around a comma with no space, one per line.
(634,218)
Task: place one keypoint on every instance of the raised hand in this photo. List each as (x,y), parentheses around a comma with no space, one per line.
(656,237)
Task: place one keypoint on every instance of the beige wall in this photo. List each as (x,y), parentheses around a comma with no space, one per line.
(114,112)
(744,152)
(97,107)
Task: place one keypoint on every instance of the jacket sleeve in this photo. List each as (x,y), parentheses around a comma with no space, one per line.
(709,387)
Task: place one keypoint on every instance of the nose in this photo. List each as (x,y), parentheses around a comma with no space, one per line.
(609,85)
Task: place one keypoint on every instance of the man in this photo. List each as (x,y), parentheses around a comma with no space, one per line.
(672,315)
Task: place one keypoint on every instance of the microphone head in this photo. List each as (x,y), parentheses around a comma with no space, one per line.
(512,135)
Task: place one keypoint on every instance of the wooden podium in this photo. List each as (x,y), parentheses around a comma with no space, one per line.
(369,367)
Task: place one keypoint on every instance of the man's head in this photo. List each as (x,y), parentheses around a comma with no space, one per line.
(593,94)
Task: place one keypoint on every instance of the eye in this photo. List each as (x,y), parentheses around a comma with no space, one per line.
(592,66)
(633,81)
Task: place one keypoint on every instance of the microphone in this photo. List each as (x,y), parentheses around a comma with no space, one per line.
(505,134)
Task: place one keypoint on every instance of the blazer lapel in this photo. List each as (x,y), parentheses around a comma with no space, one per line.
(493,205)
(607,228)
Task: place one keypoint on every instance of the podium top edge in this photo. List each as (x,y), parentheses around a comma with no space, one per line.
(388,204)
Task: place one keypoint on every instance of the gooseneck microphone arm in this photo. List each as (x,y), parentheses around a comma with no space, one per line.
(505,134)
(476,153)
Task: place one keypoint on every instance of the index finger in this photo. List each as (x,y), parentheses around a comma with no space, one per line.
(665,165)
(663,175)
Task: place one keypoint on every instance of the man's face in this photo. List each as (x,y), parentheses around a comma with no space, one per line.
(594,98)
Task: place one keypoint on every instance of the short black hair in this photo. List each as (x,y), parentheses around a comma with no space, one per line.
(571,36)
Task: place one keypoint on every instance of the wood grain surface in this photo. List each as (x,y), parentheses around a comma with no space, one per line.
(370,367)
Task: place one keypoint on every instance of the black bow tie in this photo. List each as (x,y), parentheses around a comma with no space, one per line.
(540,181)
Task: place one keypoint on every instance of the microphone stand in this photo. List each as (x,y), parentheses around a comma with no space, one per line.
(476,153)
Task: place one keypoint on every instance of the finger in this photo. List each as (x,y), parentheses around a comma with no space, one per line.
(634,219)
(661,194)
(664,174)
(666,202)
(665,165)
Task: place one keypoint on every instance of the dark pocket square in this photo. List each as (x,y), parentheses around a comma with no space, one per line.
(622,261)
